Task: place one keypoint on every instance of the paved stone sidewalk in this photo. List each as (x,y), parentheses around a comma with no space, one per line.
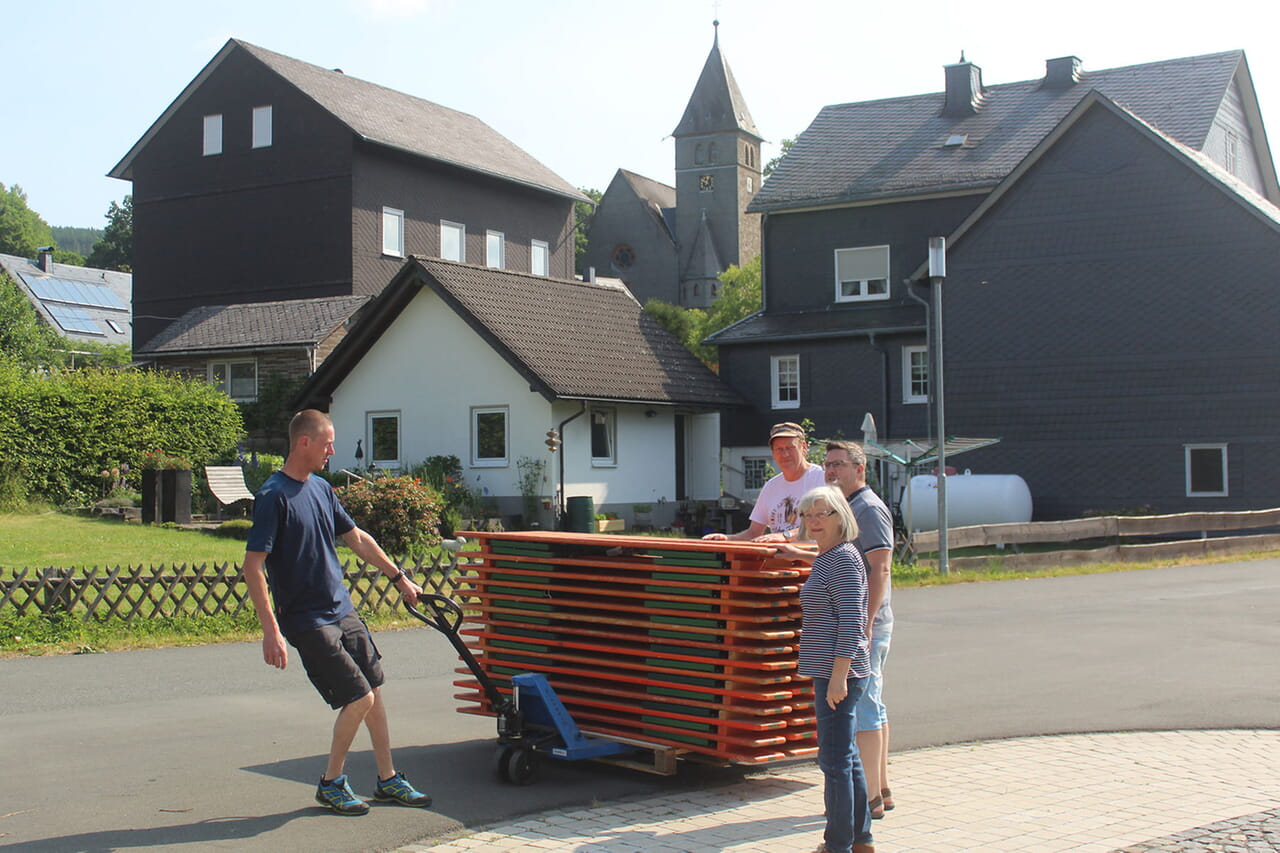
(1142,792)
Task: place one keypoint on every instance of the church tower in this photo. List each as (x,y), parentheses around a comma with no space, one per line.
(717,174)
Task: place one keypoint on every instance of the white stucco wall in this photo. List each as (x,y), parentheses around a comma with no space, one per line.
(432,368)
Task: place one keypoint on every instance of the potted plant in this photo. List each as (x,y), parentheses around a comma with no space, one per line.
(166,488)
(608,522)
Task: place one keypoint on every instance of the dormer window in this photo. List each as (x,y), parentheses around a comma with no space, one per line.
(862,273)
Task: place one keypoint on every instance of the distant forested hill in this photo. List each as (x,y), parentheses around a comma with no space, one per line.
(78,240)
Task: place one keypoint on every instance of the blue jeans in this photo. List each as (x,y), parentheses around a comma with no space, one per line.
(845,791)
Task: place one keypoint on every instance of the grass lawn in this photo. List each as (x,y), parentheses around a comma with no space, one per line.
(39,540)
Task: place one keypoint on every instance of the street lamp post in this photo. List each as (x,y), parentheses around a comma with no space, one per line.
(938,272)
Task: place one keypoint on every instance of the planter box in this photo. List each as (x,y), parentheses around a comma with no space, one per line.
(611,525)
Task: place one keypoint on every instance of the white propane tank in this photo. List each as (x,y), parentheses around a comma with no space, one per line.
(971,499)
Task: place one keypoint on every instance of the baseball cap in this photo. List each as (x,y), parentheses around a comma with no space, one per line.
(784,430)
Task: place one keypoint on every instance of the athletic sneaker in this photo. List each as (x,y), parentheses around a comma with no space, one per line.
(337,795)
(397,789)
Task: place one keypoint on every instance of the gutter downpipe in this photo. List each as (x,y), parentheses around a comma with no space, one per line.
(560,429)
(928,341)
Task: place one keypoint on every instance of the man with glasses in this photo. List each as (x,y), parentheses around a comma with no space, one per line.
(776,509)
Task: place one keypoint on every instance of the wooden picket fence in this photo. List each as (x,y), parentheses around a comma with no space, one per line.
(1180,535)
(145,592)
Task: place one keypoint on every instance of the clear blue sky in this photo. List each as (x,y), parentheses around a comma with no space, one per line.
(586,86)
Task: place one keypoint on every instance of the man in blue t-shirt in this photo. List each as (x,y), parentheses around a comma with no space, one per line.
(291,560)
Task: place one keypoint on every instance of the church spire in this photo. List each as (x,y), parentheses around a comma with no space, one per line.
(716,104)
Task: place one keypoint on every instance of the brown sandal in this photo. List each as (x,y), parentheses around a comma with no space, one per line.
(886,797)
(876,805)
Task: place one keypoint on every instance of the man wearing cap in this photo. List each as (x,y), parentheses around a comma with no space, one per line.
(776,508)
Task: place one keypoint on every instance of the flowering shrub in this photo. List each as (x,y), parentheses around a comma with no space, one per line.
(400,512)
(459,502)
(160,459)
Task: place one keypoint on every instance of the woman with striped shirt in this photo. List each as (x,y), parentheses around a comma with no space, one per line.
(834,652)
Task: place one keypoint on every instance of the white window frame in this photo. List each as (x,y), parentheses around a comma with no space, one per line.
(1187,450)
(490,461)
(761,462)
(606,421)
(540,248)
(495,250)
(865,292)
(212,140)
(390,463)
(262,127)
(909,354)
(227,386)
(447,227)
(791,364)
(393,232)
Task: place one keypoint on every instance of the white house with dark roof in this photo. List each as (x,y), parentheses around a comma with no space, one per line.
(481,363)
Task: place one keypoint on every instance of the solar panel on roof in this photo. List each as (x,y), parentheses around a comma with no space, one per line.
(74,292)
(74,320)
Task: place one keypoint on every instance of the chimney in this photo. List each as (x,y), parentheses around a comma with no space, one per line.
(591,275)
(1061,73)
(46,258)
(964,89)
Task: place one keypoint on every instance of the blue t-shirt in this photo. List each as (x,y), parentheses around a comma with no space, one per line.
(297,525)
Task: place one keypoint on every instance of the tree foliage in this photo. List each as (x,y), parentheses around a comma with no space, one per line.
(115,250)
(740,297)
(59,429)
(77,241)
(773,164)
(583,214)
(400,512)
(24,339)
(22,231)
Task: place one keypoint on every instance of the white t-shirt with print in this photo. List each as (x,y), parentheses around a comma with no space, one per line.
(777,506)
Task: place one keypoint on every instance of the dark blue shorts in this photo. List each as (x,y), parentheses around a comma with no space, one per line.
(341,660)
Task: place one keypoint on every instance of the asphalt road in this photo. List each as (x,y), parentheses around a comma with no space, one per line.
(209,749)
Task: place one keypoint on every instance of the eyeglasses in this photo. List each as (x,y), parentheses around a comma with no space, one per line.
(814,516)
(838,463)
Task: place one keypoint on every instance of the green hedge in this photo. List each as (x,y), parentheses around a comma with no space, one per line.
(59,430)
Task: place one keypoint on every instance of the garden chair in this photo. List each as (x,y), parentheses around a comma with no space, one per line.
(226,482)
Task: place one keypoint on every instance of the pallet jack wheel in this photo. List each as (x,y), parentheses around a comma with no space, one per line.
(517,765)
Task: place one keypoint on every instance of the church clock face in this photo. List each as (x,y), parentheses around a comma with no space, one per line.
(706,183)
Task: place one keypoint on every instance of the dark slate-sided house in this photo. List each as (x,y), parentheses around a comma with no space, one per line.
(672,243)
(1109,308)
(480,363)
(270,179)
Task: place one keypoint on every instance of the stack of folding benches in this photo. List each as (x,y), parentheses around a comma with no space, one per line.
(678,643)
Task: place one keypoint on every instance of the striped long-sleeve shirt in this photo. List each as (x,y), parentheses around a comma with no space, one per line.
(834,601)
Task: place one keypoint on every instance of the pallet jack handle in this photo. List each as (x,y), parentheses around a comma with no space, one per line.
(446,617)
